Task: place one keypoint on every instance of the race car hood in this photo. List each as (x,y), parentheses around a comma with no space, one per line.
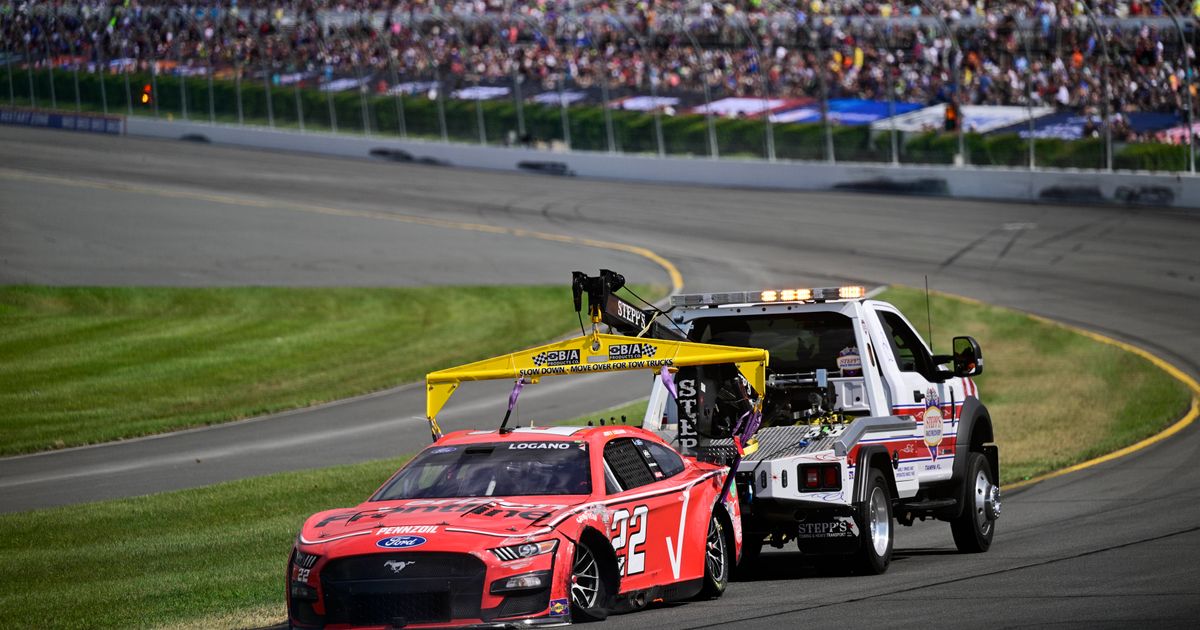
(515,517)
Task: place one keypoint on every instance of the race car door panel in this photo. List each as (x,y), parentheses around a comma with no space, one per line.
(647,515)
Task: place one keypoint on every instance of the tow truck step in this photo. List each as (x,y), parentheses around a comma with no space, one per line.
(927,505)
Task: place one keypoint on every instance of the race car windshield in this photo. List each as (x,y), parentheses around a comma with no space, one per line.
(493,470)
(798,342)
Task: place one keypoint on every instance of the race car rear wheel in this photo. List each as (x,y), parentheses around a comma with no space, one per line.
(589,593)
(875,521)
(718,559)
(974,528)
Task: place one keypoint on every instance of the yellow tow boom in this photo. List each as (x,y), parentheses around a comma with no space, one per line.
(591,354)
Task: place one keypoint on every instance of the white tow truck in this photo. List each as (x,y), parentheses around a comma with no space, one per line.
(861,425)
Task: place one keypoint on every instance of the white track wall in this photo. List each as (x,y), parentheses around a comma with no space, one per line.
(1058,186)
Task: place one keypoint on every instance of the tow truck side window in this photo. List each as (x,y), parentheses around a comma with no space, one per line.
(625,461)
(910,353)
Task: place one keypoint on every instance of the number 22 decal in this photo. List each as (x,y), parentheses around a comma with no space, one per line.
(633,561)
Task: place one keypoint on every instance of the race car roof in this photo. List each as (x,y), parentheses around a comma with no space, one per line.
(591,354)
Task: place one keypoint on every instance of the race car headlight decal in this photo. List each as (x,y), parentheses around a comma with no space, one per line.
(525,550)
(523,582)
(305,560)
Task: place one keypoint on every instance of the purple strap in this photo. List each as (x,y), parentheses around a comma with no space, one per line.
(512,398)
(668,381)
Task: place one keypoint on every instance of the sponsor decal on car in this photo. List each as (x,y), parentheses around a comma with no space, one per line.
(401,542)
(559,607)
(443,450)
(406,529)
(521,446)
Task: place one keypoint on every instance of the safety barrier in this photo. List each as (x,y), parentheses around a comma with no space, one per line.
(1057,186)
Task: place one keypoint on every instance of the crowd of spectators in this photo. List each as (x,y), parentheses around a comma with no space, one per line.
(1071,55)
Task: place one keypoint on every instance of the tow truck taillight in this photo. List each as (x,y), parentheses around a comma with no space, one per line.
(820,477)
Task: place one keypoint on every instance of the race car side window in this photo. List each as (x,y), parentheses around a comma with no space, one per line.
(627,464)
(909,351)
(669,462)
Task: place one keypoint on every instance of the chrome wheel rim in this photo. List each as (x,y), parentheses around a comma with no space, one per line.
(585,579)
(715,555)
(880,525)
(987,503)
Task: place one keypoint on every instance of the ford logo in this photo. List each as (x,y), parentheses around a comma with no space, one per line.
(400,542)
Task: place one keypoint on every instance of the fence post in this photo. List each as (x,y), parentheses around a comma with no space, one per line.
(1186,49)
(153,78)
(267,85)
(296,92)
(12,93)
(237,90)
(610,135)
(827,130)
(706,67)
(183,110)
(479,122)
(126,71)
(363,89)
(1029,99)
(208,71)
(401,124)
(441,100)
(49,68)
(102,69)
(1107,113)
(29,69)
(562,105)
(519,102)
(74,67)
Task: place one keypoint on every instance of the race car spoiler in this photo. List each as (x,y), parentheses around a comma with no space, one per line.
(590,354)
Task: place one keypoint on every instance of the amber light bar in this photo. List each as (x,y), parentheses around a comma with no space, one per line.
(823,294)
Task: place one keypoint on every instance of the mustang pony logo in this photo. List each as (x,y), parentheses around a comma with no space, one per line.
(398,565)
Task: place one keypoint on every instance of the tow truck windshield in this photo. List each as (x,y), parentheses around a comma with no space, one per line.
(493,470)
(798,342)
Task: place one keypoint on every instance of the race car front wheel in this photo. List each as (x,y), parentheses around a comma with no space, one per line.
(875,520)
(589,593)
(718,558)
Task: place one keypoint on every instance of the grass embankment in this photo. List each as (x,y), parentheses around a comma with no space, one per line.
(214,556)
(87,365)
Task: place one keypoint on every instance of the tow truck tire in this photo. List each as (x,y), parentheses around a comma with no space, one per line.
(877,531)
(718,559)
(974,528)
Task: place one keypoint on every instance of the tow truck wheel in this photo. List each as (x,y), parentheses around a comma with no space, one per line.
(586,586)
(718,560)
(974,528)
(875,521)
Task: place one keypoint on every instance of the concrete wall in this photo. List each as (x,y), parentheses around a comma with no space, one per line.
(1068,186)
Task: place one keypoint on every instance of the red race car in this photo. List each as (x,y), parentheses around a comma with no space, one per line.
(532,525)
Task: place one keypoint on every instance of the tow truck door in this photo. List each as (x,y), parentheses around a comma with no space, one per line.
(916,384)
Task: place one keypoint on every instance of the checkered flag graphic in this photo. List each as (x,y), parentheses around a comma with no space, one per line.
(539,359)
(648,350)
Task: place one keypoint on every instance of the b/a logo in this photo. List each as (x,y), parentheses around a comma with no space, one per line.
(556,357)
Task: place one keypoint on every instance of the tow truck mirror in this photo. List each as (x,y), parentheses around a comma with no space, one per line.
(968,358)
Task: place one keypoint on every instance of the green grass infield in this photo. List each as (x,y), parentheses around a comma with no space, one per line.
(87,365)
(214,556)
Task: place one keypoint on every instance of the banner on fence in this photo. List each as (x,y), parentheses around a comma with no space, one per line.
(976,118)
(844,111)
(737,107)
(1070,126)
(95,123)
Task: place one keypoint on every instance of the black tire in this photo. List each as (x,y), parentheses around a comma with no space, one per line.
(876,527)
(718,559)
(976,525)
(587,586)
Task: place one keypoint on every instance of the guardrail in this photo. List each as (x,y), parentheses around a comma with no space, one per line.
(1057,186)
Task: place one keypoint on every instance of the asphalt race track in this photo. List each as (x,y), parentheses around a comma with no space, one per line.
(1113,545)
